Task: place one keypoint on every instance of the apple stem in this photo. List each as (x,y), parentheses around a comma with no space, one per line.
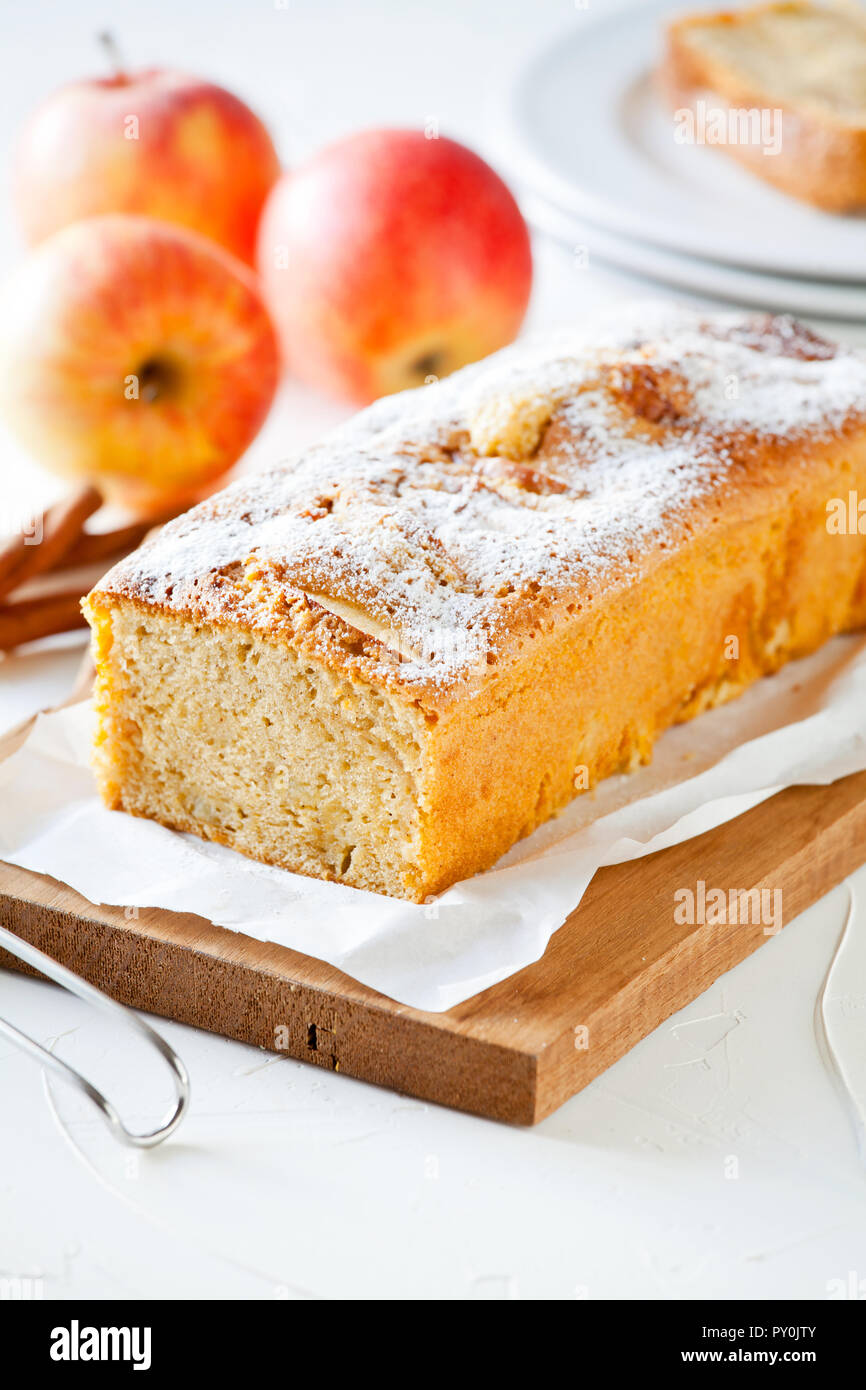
(109,44)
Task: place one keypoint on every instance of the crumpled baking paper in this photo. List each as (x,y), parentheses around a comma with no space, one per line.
(805,725)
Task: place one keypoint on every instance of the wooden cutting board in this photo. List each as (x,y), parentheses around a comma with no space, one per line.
(620,965)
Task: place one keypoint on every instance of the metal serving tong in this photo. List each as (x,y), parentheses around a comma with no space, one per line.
(91,995)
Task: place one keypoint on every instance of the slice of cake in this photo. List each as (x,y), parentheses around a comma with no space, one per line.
(781,88)
(386,661)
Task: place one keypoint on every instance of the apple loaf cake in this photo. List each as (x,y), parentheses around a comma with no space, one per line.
(384,662)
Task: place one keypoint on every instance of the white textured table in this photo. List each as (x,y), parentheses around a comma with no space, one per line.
(715,1160)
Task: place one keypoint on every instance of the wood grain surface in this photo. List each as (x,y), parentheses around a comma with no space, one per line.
(620,965)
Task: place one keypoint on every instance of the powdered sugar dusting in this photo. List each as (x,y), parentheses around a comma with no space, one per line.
(453,532)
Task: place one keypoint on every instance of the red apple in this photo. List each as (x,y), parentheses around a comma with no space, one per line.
(136,355)
(157,143)
(389,258)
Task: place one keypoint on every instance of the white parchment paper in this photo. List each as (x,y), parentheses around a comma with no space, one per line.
(806,724)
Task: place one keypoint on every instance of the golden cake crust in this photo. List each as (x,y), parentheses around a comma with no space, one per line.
(426,541)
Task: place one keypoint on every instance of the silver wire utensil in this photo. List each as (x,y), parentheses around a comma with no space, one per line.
(91,995)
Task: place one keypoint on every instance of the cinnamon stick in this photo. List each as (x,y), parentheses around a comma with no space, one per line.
(64,545)
(93,546)
(62,527)
(31,618)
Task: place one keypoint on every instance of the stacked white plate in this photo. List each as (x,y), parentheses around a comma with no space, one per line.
(591,148)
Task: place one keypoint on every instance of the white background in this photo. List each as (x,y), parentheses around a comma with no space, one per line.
(715,1160)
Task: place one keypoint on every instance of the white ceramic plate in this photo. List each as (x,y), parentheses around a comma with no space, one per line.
(583,126)
(706,279)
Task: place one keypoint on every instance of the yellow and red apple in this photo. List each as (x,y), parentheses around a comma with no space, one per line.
(136,355)
(390,258)
(157,143)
